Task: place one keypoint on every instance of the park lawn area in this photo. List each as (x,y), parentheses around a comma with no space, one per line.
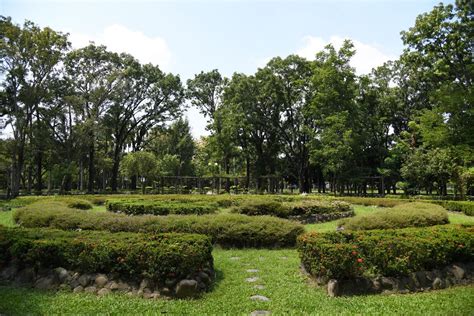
(6,218)
(278,271)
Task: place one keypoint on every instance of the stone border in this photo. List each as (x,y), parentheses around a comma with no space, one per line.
(102,284)
(320,218)
(454,274)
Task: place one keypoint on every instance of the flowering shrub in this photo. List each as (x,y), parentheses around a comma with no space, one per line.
(384,252)
(131,255)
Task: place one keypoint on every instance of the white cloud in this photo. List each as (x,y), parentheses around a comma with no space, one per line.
(120,39)
(367,56)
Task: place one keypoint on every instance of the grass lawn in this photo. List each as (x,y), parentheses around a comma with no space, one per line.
(288,291)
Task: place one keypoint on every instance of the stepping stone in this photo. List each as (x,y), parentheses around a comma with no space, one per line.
(283,258)
(252,270)
(259,298)
(261,258)
(257,313)
(259,287)
(234,258)
(250,280)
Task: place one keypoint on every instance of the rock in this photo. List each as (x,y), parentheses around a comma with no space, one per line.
(155,295)
(113,286)
(259,287)
(388,284)
(333,288)
(61,274)
(205,277)
(186,288)
(145,283)
(103,292)
(46,283)
(165,291)
(84,280)
(457,271)
(25,276)
(101,280)
(78,289)
(423,279)
(90,289)
(234,258)
(252,270)
(438,284)
(9,272)
(259,298)
(252,279)
(260,312)
(123,286)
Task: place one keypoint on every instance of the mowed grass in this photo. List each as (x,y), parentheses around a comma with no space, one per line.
(287,288)
(6,218)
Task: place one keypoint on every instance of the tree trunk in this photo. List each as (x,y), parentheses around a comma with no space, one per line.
(39,174)
(90,184)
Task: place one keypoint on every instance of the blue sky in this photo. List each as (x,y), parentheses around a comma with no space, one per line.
(185,36)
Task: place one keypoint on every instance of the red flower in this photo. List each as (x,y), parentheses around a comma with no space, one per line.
(360,260)
(354,253)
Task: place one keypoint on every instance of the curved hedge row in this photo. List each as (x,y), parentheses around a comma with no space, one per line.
(404,215)
(395,252)
(229,230)
(290,209)
(140,207)
(130,255)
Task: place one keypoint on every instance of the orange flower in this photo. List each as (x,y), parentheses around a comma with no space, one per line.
(354,253)
(360,260)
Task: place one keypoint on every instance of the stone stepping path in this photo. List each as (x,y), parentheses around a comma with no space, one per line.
(252,279)
(259,287)
(234,258)
(261,312)
(252,270)
(259,298)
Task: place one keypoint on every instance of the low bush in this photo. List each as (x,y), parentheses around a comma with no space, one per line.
(404,215)
(140,207)
(293,208)
(381,202)
(130,255)
(466,207)
(228,230)
(79,204)
(394,252)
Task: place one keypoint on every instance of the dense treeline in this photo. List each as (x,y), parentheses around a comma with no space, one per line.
(90,119)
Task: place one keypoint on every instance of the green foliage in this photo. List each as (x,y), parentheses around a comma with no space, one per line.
(466,207)
(130,255)
(137,207)
(385,252)
(404,215)
(229,230)
(290,208)
(79,204)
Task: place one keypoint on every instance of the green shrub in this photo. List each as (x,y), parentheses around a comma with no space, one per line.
(404,215)
(290,207)
(308,207)
(466,207)
(393,252)
(140,207)
(229,230)
(381,202)
(130,255)
(79,204)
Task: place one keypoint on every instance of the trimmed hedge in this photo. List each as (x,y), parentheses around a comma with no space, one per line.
(458,206)
(79,204)
(404,215)
(228,230)
(130,255)
(288,209)
(140,207)
(395,252)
